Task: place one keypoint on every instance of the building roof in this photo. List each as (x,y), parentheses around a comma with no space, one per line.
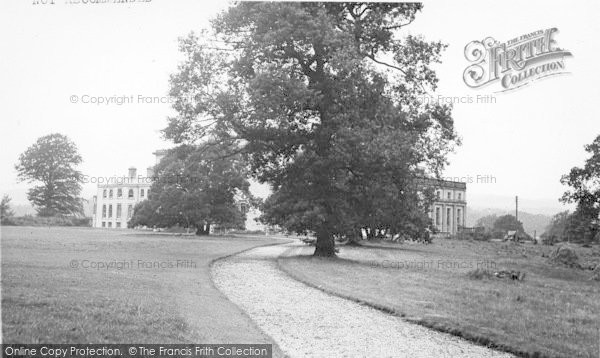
(441,183)
(160,152)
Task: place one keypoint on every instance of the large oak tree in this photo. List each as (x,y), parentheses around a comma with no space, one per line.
(196,187)
(325,101)
(52,163)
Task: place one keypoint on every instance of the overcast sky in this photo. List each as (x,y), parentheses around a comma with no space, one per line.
(525,140)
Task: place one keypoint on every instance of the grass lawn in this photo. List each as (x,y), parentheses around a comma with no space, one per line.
(46,300)
(554,312)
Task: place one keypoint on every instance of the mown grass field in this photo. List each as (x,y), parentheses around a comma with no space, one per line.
(162,292)
(554,312)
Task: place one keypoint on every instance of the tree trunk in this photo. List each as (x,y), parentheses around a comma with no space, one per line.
(325,246)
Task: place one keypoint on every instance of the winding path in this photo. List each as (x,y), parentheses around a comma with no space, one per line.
(307,322)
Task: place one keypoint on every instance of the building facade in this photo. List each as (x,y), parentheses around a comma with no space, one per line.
(114,201)
(449,209)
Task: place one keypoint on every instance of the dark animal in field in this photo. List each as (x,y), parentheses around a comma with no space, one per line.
(513,275)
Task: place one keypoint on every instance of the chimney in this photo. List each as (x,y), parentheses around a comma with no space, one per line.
(132,171)
(150,172)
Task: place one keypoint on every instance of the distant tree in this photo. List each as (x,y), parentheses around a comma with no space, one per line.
(507,223)
(5,211)
(325,101)
(51,161)
(556,230)
(487,222)
(571,227)
(145,214)
(585,192)
(195,186)
(581,226)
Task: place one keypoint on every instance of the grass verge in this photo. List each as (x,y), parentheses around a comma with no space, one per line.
(554,312)
(76,285)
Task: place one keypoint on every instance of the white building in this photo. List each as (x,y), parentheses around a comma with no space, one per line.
(114,201)
(448,211)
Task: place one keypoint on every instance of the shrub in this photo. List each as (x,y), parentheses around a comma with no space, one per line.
(565,255)
(29,220)
(477,235)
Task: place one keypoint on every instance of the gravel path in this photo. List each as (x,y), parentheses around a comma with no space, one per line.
(307,322)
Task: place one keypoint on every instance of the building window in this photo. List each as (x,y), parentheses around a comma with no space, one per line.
(118,224)
(104,224)
(110,194)
(129,211)
(109,224)
(449,218)
(119,193)
(244,208)
(459,196)
(110,211)
(130,193)
(457,217)
(118,211)
(104,193)
(437,216)
(438,194)
(141,193)
(449,195)
(104,210)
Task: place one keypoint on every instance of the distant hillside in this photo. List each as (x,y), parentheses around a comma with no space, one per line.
(531,222)
(546,206)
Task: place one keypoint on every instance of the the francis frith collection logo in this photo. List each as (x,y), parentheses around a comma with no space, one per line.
(514,63)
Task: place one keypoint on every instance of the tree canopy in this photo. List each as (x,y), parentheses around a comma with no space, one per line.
(571,227)
(195,187)
(51,161)
(487,222)
(324,101)
(5,211)
(556,230)
(508,222)
(584,191)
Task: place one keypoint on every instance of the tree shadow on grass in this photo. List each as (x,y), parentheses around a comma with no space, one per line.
(334,259)
(379,246)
